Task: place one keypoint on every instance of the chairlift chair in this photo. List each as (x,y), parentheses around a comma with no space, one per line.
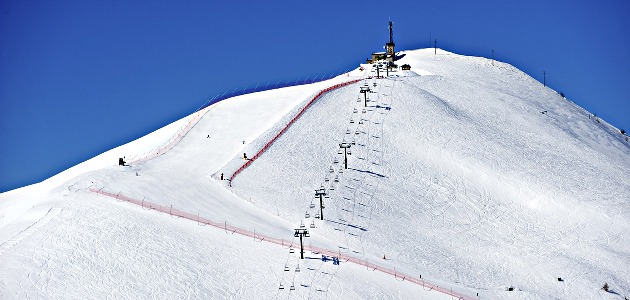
(307,215)
(312,205)
(291,250)
(297,269)
(281,286)
(312,224)
(317,215)
(292,287)
(286,268)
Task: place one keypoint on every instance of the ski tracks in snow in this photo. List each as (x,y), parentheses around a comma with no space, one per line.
(15,240)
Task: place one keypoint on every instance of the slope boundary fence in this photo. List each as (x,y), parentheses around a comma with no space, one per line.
(269,86)
(201,111)
(168,145)
(261,237)
(297,116)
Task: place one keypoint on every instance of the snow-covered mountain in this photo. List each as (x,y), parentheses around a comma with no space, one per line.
(465,178)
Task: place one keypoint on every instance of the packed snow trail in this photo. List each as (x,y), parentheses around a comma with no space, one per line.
(268,144)
(262,237)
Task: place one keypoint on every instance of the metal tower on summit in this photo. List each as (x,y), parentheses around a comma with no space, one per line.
(391,54)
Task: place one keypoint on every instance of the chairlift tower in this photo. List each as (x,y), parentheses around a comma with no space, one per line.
(364,90)
(345,147)
(301,232)
(321,193)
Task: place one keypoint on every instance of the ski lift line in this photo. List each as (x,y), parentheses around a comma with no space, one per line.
(248,233)
(284,129)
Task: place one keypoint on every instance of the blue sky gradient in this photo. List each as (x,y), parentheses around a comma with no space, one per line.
(78,78)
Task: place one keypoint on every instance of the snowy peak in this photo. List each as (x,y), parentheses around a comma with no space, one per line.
(462,174)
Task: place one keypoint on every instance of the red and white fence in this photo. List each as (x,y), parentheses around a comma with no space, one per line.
(297,116)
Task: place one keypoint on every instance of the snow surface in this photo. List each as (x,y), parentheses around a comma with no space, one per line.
(456,176)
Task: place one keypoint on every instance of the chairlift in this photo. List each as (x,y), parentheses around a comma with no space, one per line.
(291,250)
(292,287)
(331,188)
(312,205)
(336,161)
(347,131)
(354,111)
(302,224)
(351,121)
(357,132)
(281,286)
(363,111)
(336,178)
(341,170)
(349,153)
(317,215)
(312,224)
(286,268)
(307,215)
(331,169)
(297,269)
(326,179)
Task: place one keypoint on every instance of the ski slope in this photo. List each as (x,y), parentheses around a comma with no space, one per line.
(466,178)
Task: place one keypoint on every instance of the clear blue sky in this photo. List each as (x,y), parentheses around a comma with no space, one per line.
(80,77)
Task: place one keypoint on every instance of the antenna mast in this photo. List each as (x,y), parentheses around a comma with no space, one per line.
(391,33)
